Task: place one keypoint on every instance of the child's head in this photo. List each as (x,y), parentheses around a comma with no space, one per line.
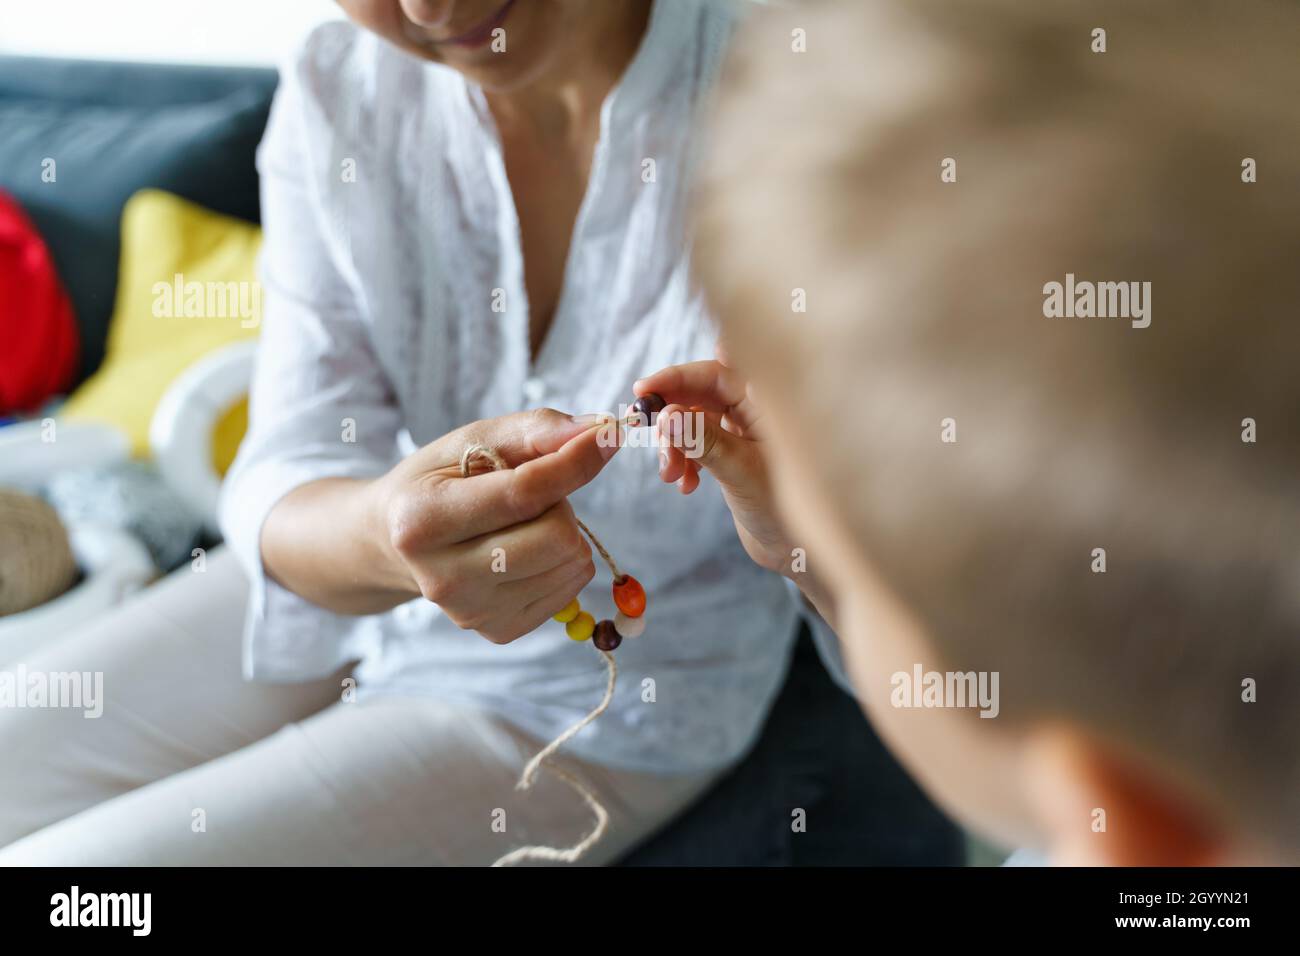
(1103,512)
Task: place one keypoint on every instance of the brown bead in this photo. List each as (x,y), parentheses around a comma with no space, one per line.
(607,637)
(646,408)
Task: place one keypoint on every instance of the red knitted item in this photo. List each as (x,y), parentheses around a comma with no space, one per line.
(38,334)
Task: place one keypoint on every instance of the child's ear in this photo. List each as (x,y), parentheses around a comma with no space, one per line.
(1098,808)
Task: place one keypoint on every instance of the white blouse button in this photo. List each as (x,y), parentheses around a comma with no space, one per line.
(534,389)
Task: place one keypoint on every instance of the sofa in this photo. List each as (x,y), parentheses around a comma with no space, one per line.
(117,128)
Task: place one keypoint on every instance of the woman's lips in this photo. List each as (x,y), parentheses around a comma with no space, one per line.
(482,33)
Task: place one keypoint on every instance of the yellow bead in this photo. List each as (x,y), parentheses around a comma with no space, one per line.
(570,612)
(580,627)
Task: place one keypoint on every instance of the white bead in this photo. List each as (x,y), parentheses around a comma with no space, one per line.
(629,626)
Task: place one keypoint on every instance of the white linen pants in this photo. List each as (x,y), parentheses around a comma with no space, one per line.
(189,764)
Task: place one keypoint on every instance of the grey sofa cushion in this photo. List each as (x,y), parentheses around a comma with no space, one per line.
(112,129)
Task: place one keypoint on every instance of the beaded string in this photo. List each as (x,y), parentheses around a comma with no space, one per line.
(630,599)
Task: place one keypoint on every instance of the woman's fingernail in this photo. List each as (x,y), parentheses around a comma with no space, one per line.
(607,438)
(591,418)
(663,461)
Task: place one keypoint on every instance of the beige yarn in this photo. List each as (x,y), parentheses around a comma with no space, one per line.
(576,852)
(36,562)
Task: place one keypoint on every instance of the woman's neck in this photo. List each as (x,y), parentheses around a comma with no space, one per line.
(566,98)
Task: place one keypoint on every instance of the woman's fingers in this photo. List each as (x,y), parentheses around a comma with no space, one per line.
(517,437)
(523,606)
(526,549)
(487,502)
(504,610)
(534,615)
(562,582)
(428,505)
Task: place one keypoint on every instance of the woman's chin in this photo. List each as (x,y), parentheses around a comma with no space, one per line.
(499,63)
(496,71)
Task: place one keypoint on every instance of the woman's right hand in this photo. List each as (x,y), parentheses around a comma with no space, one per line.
(499,552)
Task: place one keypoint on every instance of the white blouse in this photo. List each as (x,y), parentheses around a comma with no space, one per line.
(390,236)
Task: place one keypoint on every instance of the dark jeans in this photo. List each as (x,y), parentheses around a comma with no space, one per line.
(818,753)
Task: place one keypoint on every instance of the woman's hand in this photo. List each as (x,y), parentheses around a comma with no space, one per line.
(499,552)
(727,442)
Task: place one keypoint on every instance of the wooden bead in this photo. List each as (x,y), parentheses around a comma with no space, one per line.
(646,408)
(607,637)
(629,596)
(629,626)
(570,612)
(580,628)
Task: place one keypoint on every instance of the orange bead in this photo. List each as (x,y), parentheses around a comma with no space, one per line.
(629,596)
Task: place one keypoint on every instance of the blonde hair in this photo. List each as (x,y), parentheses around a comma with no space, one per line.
(925,302)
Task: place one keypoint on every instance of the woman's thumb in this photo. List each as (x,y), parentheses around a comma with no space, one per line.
(524,436)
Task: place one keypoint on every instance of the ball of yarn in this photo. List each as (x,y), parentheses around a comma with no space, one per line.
(36,562)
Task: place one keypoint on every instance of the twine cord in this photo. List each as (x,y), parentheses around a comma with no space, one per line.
(529,775)
(613,568)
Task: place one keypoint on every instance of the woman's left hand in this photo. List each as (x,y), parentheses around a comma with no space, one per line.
(722,435)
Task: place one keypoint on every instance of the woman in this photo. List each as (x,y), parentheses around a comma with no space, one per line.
(472,208)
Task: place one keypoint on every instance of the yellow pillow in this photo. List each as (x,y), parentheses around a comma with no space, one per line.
(186,286)
(227,433)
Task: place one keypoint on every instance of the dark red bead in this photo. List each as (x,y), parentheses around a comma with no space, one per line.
(606,636)
(647,407)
